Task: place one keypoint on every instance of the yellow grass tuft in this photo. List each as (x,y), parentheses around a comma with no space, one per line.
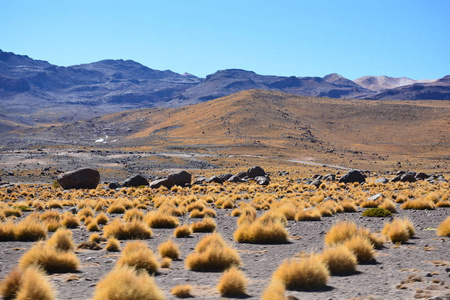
(11,284)
(169,249)
(62,240)
(444,228)
(7,232)
(102,219)
(261,233)
(126,283)
(312,214)
(232,283)
(133,214)
(113,245)
(49,259)
(308,272)
(389,205)
(95,237)
(206,225)
(166,262)
(116,208)
(70,221)
(139,256)
(212,254)
(30,229)
(158,219)
(421,203)
(182,231)
(26,284)
(348,206)
(361,247)
(134,230)
(275,291)
(182,291)
(339,260)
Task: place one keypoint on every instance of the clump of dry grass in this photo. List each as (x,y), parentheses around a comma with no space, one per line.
(137,255)
(444,228)
(275,291)
(95,237)
(389,205)
(102,219)
(169,249)
(182,291)
(312,214)
(339,260)
(260,232)
(113,245)
(158,219)
(399,230)
(116,208)
(30,229)
(134,230)
(212,254)
(182,231)
(7,232)
(206,225)
(345,230)
(70,221)
(126,283)
(25,284)
(232,283)
(349,206)
(62,240)
(308,272)
(49,259)
(421,203)
(361,247)
(166,262)
(133,214)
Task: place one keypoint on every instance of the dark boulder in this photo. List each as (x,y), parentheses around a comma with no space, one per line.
(329,177)
(235,179)
(408,177)
(113,185)
(182,178)
(160,182)
(316,183)
(242,174)
(262,180)
(396,178)
(79,179)
(421,176)
(135,181)
(200,180)
(255,172)
(353,176)
(225,177)
(214,179)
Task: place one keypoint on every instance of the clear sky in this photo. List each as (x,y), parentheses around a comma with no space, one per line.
(302,38)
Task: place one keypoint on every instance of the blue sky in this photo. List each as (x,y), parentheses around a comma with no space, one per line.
(301,38)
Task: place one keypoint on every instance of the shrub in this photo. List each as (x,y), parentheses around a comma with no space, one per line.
(133,214)
(7,232)
(24,284)
(12,212)
(308,272)
(182,291)
(339,260)
(399,230)
(102,219)
(95,237)
(212,254)
(349,206)
(126,283)
(182,231)
(308,215)
(389,205)
(275,291)
(113,245)
(169,249)
(376,212)
(206,225)
(92,226)
(157,219)
(232,283)
(361,247)
(166,262)
(61,240)
(344,230)
(116,208)
(30,229)
(134,230)
(70,221)
(444,228)
(11,284)
(420,203)
(139,256)
(261,233)
(49,259)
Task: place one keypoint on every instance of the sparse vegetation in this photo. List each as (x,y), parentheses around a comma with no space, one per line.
(444,228)
(232,283)
(137,255)
(182,291)
(376,212)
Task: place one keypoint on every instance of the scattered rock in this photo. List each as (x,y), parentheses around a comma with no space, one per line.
(262,180)
(375,197)
(135,181)
(200,180)
(242,174)
(329,177)
(382,180)
(255,172)
(316,183)
(408,177)
(159,183)
(79,179)
(182,178)
(90,245)
(225,177)
(235,179)
(353,176)
(214,179)
(113,185)
(421,176)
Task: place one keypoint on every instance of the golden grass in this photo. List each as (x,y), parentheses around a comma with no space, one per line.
(7,231)
(444,228)
(182,291)
(389,205)
(232,283)
(206,225)
(260,232)
(349,206)
(339,260)
(126,283)
(102,219)
(133,214)
(344,230)
(70,221)
(138,255)
(95,237)
(116,208)
(361,247)
(62,240)
(308,272)
(182,231)
(212,254)
(158,219)
(276,290)
(113,245)
(30,229)
(26,284)
(49,259)
(421,203)
(169,249)
(312,214)
(134,230)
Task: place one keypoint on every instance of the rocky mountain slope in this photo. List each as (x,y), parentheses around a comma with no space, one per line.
(38,92)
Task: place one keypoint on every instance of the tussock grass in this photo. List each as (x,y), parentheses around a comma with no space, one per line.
(158,219)
(26,284)
(11,283)
(126,283)
(113,245)
(399,230)
(133,214)
(308,215)
(349,206)
(166,262)
(182,231)
(8,212)
(389,205)
(95,237)
(49,259)
(444,228)
(7,231)
(169,249)
(102,219)
(30,229)
(134,230)
(308,272)
(139,256)
(70,221)
(361,247)
(276,290)
(212,254)
(232,283)
(339,260)
(62,240)
(206,225)
(260,232)
(345,230)
(116,208)
(421,203)
(182,291)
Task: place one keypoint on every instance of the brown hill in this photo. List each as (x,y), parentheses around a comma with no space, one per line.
(275,124)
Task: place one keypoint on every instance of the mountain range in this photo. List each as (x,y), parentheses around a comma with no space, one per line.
(35,91)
